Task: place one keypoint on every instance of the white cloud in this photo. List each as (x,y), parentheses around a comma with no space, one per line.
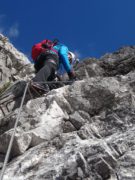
(13,31)
(10,31)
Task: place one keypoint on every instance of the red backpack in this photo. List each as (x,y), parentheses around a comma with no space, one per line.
(45,46)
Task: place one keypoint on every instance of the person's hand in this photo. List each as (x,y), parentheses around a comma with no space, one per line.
(72,77)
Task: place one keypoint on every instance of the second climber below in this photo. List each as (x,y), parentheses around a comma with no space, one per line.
(47,56)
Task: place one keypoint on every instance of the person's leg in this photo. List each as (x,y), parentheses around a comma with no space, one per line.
(45,74)
(39,63)
(52,75)
(45,67)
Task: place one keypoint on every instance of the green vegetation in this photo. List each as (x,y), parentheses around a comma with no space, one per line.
(4,87)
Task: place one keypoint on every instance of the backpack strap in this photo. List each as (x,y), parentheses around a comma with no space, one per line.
(47,46)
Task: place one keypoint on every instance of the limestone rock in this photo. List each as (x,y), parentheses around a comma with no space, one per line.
(83,131)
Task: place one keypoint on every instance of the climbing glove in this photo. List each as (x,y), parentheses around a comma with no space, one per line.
(72,76)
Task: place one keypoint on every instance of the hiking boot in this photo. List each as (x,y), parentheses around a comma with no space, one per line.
(34,86)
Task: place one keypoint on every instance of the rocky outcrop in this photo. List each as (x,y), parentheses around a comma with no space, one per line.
(83,131)
(120,62)
(13,64)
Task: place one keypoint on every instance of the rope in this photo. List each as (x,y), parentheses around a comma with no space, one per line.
(56,82)
(53,82)
(13,134)
(47,82)
(37,106)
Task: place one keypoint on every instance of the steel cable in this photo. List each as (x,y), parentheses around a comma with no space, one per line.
(13,134)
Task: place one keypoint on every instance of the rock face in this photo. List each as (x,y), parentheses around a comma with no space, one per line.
(83,131)
(13,64)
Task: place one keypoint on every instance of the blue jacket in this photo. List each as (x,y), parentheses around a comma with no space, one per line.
(63,56)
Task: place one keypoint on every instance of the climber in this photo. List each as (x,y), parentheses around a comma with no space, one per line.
(73,62)
(47,56)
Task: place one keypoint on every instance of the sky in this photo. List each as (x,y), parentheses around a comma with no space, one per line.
(90,28)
